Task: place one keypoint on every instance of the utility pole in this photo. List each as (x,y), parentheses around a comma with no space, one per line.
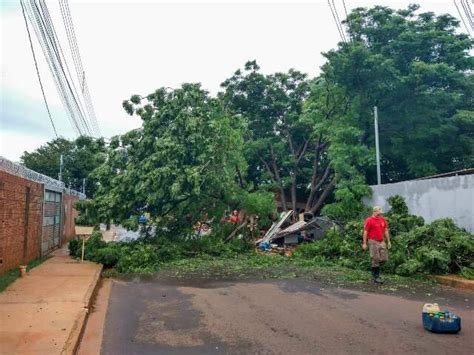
(377,148)
(61,163)
(84,186)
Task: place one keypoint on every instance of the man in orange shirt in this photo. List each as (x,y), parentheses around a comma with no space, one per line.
(376,230)
(234,217)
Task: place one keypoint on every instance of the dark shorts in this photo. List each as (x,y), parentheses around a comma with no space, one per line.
(378,252)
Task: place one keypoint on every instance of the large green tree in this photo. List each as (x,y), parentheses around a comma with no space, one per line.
(277,140)
(80,158)
(46,159)
(301,141)
(418,70)
(183,162)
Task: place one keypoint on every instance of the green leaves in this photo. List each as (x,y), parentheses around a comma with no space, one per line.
(81,157)
(418,71)
(440,247)
(182,160)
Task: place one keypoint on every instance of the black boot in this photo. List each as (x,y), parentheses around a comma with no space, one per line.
(376,275)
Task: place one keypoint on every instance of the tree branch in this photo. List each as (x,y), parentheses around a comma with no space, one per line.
(175,204)
(290,142)
(239,174)
(278,178)
(327,190)
(314,173)
(320,183)
(267,167)
(302,151)
(234,232)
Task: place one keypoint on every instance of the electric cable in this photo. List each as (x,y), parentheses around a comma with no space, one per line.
(37,70)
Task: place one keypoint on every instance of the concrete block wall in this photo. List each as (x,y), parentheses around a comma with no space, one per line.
(20,223)
(441,197)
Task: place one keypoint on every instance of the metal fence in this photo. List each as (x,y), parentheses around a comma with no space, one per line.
(22,171)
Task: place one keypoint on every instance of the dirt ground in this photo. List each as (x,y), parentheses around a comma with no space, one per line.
(274,317)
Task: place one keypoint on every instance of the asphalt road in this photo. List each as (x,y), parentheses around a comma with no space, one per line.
(275,317)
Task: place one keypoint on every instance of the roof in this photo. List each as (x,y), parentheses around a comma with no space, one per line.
(316,222)
(468,171)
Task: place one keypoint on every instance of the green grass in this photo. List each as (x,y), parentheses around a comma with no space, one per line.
(10,276)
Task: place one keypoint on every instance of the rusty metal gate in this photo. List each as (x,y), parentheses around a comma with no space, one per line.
(51,221)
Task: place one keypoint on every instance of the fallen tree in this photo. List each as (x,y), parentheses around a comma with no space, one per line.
(436,248)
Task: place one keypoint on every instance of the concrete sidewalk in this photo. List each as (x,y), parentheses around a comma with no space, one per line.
(44,312)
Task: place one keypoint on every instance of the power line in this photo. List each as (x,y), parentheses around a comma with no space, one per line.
(345,8)
(76,97)
(469,9)
(57,67)
(52,63)
(32,16)
(341,32)
(71,35)
(48,39)
(37,70)
(59,53)
(67,19)
(349,32)
(335,20)
(461,17)
(468,13)
(339,21)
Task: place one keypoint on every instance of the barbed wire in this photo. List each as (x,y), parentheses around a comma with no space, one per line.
(21,171)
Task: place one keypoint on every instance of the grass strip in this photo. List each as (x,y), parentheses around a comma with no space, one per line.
(11,275)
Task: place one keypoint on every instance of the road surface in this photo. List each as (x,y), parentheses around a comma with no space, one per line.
(274,317)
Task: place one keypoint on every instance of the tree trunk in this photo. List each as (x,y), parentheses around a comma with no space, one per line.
(278,179)
(327,190)
(239,174)
(321,182)
(314,176)
(234,232)
(293,194)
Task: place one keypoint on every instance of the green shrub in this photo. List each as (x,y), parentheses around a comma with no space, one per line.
(74,248)
(138,257)
(409,267)
(240,246)
(108,256)
(92,245)
(398,217)
(440,247)
(468,272)
(398,205)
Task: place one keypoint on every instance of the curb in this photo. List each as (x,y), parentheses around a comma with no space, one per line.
(75,336)
(456,282)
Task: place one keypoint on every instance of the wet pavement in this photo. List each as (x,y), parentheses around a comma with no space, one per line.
(157,316)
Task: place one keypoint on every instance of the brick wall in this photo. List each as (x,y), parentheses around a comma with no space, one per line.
(69,216)
(20,222)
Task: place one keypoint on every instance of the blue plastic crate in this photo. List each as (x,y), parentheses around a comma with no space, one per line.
(442,322)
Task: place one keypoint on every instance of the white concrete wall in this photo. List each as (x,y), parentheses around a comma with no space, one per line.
(444,197)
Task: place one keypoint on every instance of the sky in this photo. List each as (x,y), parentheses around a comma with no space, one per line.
(135,47)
